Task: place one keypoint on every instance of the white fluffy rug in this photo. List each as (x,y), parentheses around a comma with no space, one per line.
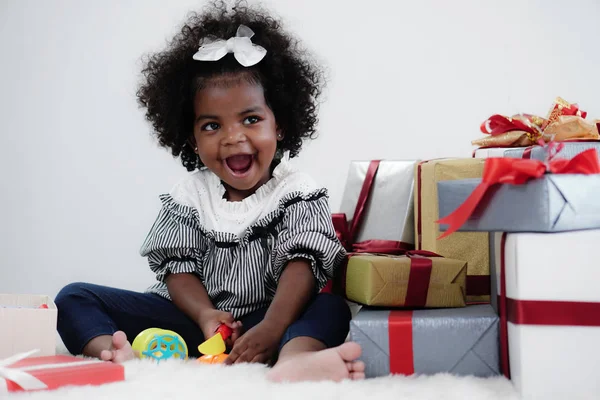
(146,380)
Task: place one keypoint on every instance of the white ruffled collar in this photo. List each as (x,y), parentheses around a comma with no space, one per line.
(280,172)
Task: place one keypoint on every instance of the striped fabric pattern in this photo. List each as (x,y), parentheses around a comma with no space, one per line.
(241,272)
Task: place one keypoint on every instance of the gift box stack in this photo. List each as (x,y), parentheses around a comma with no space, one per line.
(536,199)
(522,207)
(422,309)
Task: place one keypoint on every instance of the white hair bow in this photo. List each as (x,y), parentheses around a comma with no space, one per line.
(244,51)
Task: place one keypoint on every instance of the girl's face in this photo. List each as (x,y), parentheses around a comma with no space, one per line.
(236,135)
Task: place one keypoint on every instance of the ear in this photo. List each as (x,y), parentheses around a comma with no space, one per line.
(192,143)
(280,134)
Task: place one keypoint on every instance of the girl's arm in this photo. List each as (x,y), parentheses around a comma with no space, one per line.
(294,290)
(189,295)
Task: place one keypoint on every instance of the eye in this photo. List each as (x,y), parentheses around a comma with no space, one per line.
(211,126)
(251,120)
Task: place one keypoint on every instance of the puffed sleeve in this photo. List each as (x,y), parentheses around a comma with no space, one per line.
(175,243)
(308,233)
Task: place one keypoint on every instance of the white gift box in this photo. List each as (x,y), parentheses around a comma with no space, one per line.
(553,312)
(25,326)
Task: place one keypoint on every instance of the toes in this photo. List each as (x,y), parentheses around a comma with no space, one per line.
(107,355)
(357,376)
(119,340)
(357,366)
(349,351)
(123,355)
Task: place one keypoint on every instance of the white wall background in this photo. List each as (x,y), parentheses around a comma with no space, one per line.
(80,174)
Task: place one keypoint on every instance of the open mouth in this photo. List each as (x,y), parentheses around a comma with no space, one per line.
(239,164)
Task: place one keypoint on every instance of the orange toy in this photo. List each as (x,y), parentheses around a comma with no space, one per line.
(210,359)
(214,347)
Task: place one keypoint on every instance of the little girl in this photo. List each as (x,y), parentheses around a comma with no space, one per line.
(243,240)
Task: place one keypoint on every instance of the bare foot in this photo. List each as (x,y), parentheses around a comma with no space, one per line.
(334,364)
(121,349)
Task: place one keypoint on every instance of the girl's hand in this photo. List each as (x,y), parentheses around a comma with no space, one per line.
(210,320)
(259,344)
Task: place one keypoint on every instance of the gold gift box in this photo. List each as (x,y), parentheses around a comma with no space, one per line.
(472,247)
(381,280)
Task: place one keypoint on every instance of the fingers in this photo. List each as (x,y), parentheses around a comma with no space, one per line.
(261,358)
(249,354)
(245,357)
(227,319)
(238,349)
(237,332)
(243,353)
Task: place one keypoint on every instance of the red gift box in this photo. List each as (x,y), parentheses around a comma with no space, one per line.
(23,373)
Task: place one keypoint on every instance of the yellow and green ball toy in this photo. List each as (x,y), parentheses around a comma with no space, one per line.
(160,344)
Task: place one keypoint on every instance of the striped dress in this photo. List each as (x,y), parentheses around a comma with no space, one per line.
(239,249)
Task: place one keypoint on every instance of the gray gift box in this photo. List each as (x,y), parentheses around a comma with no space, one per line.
(460,341)
(389,212)
(552,203)
(570,150)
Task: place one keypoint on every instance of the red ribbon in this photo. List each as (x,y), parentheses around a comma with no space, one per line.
(566,313)
(340,224)
(419,277)
(346,234)
(515,171)
(498,124)
(538,312)
(504,360)
(400,342)
(392,247)
(363,197)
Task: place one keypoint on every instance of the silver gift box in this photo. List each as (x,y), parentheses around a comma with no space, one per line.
(389,211)
(460,341)
(552,203)
(569,151)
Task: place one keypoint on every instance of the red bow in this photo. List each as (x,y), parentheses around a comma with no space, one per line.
(516,171)
(498,124)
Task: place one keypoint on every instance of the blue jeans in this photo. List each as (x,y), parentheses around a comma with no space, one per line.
(86,311)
